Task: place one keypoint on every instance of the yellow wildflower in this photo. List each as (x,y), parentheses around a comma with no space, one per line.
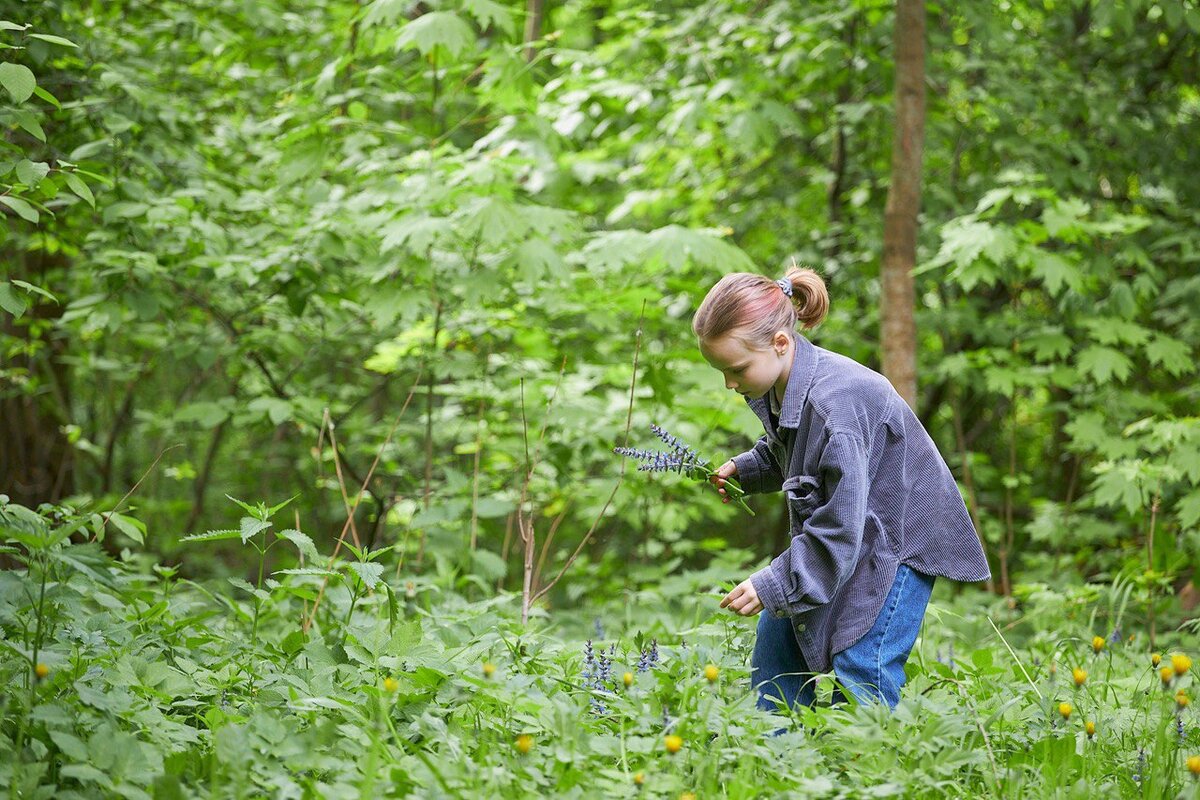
(688,796)
(1193,765)
(639,778)
(1079,675)
(1097,644)
(390,684)
(1166,673)
(1090,728)
(1182,700)
(41,670)
(1181,663)
(711,672)
(673,743)
(627,679)
(524,743)
(1065,710)
(488,669)
(1155,660)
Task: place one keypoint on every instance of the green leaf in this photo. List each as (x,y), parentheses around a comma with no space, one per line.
(443,29)
(31,173)
(49,98)
(212,536)
(30,124)
(23,209)
(1174,355)
(488,565)
(1114,330)
(488,13)
(76,185)
(207,414)
(1105,363)
(18,80)
(1055,271)
(47,37)
(133,528)
(278,411)
(29,287)
(1118,484)
(1188,510)
(368,572)
(251,527)
(302,541)
(12,302)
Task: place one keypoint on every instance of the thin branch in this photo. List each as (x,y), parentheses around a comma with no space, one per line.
(121,502)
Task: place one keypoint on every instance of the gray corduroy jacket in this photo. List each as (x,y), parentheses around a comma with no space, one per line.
(866,491)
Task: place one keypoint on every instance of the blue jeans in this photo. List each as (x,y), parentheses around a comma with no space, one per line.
(872,668)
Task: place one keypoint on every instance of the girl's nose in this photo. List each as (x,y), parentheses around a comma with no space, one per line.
(730,384)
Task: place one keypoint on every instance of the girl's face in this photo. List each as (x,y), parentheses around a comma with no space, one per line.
(749,372)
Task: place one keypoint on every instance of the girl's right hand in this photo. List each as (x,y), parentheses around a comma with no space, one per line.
(719,478)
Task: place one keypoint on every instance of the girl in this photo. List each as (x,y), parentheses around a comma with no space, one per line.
(875,514)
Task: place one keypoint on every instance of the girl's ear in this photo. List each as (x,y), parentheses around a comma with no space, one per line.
(782,340)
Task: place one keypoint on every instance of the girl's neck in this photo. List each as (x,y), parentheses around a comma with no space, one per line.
(780,387)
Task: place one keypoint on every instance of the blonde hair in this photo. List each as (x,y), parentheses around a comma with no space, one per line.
(758,304)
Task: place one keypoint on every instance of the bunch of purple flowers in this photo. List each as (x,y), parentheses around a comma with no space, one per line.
(684,460)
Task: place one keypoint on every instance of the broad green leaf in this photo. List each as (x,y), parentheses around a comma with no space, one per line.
(31,173)
(1055,271)
(23,209)
(1113,330)
(1188,509)
(18,80)
(1118,484)
(302,541)
(76,185)
(488,12)
(443,29)
(251,527)
(277,410)
(12,302)
(1172,354)
(133,528)
(29,123)
(207,414)
(1104,364)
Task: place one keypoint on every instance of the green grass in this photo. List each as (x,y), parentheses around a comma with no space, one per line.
(161,686)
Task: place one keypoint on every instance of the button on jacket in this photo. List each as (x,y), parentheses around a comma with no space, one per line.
(866,491)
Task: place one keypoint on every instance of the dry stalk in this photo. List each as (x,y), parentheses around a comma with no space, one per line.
(358,499)
(524,523)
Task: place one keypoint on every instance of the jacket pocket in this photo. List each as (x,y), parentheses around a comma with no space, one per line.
(803,494)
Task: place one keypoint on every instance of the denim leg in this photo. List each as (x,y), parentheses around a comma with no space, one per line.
(777,667)
(873,667)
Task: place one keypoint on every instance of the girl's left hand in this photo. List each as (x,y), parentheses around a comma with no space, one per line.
(743,599)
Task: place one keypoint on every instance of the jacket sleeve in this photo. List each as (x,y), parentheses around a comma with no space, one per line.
(757,470)
(826,536)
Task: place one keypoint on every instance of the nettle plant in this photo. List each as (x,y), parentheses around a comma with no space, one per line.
(684,460)
(362,575)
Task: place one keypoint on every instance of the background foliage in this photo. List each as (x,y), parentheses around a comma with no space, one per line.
(227,224)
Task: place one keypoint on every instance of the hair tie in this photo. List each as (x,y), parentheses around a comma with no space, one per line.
(786,285)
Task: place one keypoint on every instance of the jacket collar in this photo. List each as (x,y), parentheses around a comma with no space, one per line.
(804,367)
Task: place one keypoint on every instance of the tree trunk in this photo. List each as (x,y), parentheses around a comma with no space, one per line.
(534,9)
(899,334)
